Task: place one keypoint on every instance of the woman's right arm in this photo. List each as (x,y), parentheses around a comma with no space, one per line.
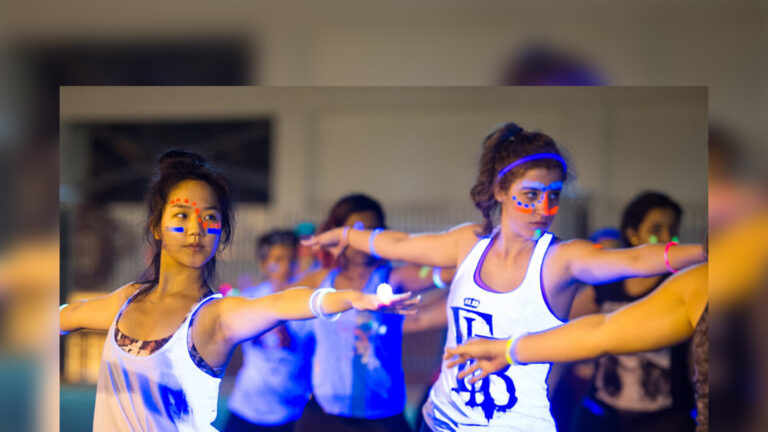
(666,316)
(433,249)
(97,313)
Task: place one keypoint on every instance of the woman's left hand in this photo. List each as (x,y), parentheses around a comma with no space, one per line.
(490,356)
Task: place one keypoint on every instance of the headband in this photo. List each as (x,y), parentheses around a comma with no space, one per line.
(530,158)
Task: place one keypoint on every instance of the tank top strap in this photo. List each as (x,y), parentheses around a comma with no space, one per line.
(537,258)
(125,305)
(197,306)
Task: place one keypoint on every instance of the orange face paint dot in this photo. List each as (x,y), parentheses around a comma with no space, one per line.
(186,200)
(194,204)
(197,211)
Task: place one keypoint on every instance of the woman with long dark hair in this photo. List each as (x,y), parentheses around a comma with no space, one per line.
(169,335)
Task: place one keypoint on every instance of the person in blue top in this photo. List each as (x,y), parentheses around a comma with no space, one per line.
(273,385)
(357,375)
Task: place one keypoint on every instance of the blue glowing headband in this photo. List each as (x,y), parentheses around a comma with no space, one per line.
(530,158)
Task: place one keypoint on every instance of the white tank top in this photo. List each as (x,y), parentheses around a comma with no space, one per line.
(515,398)
(164,391)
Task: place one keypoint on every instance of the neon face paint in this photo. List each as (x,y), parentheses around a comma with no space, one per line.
(675,239)
(537,234)
(653,239)
(543,197)
(213,228)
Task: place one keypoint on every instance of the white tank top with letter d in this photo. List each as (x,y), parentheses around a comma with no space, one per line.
(164,391)
(514,398)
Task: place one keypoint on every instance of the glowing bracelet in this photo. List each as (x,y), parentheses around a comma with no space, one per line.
(317,310)
(371,250)
(345,236)
(61,332)
(666,256)
(511,344)
(312,302)
(436,278)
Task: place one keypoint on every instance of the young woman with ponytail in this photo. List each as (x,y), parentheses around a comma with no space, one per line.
(513,277)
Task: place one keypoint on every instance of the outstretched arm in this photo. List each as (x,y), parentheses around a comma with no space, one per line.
(95,314)
(588,264)
(238,318)
(665,317)
(434,249)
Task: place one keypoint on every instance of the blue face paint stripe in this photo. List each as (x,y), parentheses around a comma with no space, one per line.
(214,231)
(175,229)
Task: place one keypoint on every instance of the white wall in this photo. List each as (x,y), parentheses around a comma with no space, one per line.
(414,147)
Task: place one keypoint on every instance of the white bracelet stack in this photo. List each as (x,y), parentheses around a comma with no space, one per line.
(316,304)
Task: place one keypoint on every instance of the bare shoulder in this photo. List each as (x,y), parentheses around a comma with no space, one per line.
(119,296)
(466,234)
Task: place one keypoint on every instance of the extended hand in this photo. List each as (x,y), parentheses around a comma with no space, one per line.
(330,240)
(399,303)
(489,354)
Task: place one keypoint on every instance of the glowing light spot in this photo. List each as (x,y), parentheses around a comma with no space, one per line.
(424,272)
(384,292)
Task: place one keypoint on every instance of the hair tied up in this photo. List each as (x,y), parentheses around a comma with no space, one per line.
(174,155)
(512,132)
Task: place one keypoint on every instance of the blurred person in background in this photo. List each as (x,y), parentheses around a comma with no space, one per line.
(274,383)
(645,390)
(357,376)
(306,260)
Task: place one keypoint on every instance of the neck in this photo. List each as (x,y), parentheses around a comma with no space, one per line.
(175,278)
(511,243)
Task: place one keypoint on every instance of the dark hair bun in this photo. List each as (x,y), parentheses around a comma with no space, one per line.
(181,160)
(511,130)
